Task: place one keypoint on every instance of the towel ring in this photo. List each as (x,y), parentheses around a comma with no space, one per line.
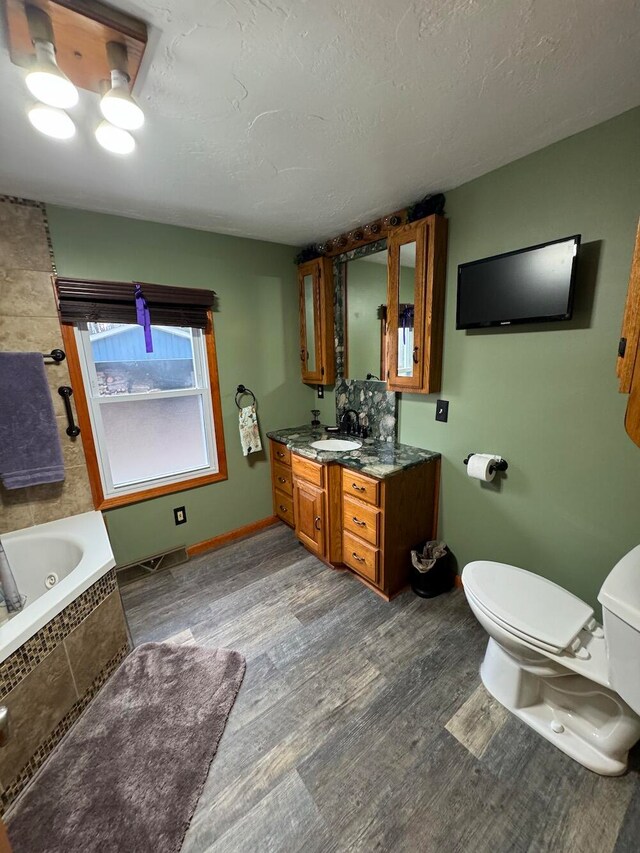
(241,390)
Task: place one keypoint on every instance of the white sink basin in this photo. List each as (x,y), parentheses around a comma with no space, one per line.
(336,444)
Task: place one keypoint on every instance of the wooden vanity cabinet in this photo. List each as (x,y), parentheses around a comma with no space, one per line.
(282,483)
(311,516)
(383,520)
(317,347)
(368,525)
(316,495)
(417,254)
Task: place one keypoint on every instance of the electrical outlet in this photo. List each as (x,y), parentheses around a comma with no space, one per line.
(320,392)
(180,515)
(442,410)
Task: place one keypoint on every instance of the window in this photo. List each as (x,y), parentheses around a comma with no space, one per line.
(150,421)
(405,351)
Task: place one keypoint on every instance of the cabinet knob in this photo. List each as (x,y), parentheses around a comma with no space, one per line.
(282,479)
(303,354)
(317,522)
(283,508)
(280,454)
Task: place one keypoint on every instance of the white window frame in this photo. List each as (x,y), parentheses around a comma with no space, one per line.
(202,389)
(405,351)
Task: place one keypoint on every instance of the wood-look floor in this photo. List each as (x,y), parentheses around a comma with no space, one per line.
(362,725)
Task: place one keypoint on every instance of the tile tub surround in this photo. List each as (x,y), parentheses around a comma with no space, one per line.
(49,681)
(28,322)
(373,400)
(377,458)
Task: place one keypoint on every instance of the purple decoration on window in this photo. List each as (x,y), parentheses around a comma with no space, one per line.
(143,318)
(406,319)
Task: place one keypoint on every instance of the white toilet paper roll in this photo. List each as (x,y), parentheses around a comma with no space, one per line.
(478,467)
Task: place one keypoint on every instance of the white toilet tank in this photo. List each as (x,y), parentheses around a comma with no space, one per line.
(620,599)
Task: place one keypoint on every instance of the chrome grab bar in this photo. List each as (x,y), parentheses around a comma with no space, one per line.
(5,732)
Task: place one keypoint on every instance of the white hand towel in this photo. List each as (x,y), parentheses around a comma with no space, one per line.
(249,430)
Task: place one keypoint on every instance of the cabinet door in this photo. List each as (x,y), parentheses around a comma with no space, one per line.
(310,516)
(630,340)
(317,357)
(629,349)
(415,305)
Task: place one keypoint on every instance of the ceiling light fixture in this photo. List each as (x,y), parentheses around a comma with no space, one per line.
(52,121)
(45,80)
(117,105)
(115,139)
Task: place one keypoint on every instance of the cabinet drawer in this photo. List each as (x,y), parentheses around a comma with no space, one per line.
(361,519)
(363,488)
(360,557)
(306,469)
(283,504)
(280,453)
(282,478)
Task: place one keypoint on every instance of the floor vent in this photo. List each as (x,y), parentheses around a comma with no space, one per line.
(151,565)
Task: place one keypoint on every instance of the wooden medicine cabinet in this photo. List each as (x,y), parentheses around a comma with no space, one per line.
(317,356)
(628,366)
(415,305)
(409,333)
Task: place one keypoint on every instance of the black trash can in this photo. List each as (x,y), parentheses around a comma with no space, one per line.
(429,581)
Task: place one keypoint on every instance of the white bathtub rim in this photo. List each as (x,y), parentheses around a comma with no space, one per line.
(92,566)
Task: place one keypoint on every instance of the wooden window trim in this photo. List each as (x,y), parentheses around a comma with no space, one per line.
(88,441)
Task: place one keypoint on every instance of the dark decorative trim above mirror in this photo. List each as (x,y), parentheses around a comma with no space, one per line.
(373,231)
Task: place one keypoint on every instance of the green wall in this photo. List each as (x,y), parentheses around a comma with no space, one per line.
(544,397)
(257,342)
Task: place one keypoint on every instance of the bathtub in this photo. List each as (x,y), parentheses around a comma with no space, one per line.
(53,563)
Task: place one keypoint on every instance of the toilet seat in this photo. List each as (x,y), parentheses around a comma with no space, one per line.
(531,642)
(527,605)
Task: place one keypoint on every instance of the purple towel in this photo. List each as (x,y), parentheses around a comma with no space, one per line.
(30,452)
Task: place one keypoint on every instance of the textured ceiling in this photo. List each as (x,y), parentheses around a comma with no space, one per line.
(292,120)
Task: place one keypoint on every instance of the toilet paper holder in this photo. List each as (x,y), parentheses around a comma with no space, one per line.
(500,465)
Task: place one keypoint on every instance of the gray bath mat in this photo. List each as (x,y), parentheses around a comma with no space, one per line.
(128,776)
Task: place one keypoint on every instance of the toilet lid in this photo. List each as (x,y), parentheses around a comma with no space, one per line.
(532,606)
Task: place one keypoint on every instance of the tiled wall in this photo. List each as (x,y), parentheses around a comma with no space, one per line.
(371,399)
(49,681)
(28,322)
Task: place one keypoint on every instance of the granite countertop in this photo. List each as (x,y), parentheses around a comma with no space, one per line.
(377,458)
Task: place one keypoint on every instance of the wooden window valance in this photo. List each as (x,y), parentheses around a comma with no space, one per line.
(81,301)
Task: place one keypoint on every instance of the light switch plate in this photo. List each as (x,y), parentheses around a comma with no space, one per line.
(442,410)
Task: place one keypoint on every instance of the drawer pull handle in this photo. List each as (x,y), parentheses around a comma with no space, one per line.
(317,522)
(282,479)
(415,355)
(358,488)
(355,557)
(283,508)
(359,523)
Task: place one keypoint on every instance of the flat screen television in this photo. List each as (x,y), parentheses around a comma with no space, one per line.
(530,285)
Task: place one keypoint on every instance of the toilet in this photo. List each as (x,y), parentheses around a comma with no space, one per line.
(548,660)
